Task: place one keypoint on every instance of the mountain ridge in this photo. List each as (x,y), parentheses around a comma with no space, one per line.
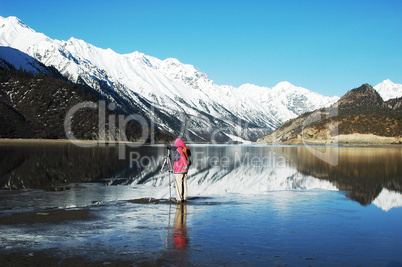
(136,80)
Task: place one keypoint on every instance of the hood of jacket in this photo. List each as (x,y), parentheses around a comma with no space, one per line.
(179,143)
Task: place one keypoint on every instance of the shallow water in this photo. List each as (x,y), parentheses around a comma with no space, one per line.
(249,205)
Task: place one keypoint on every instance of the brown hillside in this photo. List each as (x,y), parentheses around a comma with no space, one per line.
(359,111)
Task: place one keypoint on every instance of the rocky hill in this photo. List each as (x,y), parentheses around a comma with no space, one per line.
(361,116)
(34,104)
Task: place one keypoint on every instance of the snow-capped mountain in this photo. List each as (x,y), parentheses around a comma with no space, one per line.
(388,90)
(286,101)
(167,91)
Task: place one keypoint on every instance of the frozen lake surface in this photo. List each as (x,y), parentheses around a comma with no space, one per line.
(249,205)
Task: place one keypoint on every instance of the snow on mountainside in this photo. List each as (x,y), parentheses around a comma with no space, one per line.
(20,60)
(388,90)
(287,101)
(166,90)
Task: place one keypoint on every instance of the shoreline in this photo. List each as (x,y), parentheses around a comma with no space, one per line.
(352,140)
(63,142)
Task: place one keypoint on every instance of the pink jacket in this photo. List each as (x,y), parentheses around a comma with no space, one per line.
(180,162)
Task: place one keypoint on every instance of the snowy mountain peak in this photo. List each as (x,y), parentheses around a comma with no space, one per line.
(172,61)
(288,88)
(75,41)
(388,90)
(12,24)
(284,84)
(388,81)
(13,20)
(136,54)
(385,84)
(13,29)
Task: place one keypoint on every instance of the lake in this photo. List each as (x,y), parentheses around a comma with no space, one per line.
(248,205)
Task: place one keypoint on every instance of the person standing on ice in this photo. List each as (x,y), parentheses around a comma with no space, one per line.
(181,163)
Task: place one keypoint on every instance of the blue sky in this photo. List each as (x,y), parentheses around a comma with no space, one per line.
(326,46)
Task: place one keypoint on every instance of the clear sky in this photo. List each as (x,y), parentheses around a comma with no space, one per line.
(326,46)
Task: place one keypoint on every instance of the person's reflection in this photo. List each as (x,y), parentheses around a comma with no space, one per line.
(180,239)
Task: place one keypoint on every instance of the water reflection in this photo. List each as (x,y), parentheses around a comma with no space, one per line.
(49,166)
(180,239)
(366,173)
(180,231)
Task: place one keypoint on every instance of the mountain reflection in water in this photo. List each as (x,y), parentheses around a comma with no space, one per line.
(363,171)
(216,169)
